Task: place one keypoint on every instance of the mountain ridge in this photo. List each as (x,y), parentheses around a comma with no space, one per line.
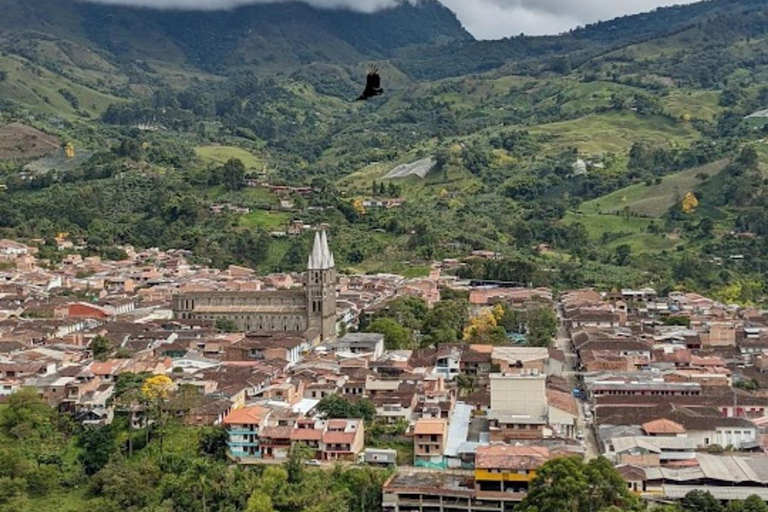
(212,41)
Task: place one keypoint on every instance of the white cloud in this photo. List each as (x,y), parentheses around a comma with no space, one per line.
(211,5)
(486,19)
(491,19)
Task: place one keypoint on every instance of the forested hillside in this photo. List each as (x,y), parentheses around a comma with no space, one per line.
(630,152)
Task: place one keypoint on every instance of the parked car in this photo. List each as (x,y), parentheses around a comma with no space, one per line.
(312,462)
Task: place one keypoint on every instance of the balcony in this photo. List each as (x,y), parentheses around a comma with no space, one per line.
(338,448)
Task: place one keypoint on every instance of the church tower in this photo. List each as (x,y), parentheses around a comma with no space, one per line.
(321,289)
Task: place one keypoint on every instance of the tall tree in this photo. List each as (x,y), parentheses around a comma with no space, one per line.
(700,501)
(233,174)
(566,484)
(396,337)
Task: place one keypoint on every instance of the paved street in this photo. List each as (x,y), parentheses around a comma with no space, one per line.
(571,374)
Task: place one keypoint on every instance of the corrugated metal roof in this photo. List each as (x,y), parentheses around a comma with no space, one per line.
(720,493)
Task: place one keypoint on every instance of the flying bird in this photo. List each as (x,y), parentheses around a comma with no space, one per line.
(372,85)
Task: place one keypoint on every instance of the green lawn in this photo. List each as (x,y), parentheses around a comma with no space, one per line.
(271,221)
(220,154)
(655,200)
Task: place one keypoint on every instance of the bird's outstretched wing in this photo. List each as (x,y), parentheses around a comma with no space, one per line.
(372,84)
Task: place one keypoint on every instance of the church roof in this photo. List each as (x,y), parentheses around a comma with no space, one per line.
(321,257)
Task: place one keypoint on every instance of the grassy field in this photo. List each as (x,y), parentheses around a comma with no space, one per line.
(271,221)
(249,196)
(654,200)
(40,89)
(615,132)
(218,155)
(621,230)
(696,104)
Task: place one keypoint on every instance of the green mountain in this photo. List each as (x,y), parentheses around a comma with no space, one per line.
(581,145)
(100,53)
(269,37)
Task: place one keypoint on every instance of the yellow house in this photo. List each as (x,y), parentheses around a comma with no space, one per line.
(507,468)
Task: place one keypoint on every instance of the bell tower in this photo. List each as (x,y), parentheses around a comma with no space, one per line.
(321,288)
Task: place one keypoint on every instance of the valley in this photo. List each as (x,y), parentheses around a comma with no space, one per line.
(531,276)
(583,143)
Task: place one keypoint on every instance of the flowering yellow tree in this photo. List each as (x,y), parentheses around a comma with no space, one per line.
(690,203)
(357,204)
(157,388)
(484,328)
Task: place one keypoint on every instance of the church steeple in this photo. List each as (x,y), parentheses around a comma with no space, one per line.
(321,288)
(321,257)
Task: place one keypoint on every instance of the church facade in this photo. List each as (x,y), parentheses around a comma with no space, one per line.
(310,312)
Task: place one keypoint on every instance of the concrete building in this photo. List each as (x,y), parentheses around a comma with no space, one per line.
(519,407)
(243,430)
(443,492)
(520,359)
(429,438)
(358,344)
(507,468)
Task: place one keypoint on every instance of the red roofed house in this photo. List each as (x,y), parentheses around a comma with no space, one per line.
(309,432)
(335,439)
(243,427)
(664,428)
(429,438)
(507,468)
(343,439)
(85,310)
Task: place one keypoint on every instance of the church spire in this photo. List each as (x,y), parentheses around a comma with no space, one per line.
(321,257)
(325,250)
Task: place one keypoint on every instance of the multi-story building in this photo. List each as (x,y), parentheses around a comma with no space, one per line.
(519,407)
(429,437)
(254,432)
(443,492)
(243,426)
(506,468)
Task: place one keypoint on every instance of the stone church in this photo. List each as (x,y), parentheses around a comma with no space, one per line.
(310,312)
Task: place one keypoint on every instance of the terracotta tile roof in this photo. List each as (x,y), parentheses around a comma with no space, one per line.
(339,437)
(707,361)
(430,427)
(680,356)
(105,368)
(276,432)
(631,473)
(563,401)
(306,434)
(663,426)
(253,415)
(505,456)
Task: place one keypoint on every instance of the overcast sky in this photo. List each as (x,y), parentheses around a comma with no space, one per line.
(486,19)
